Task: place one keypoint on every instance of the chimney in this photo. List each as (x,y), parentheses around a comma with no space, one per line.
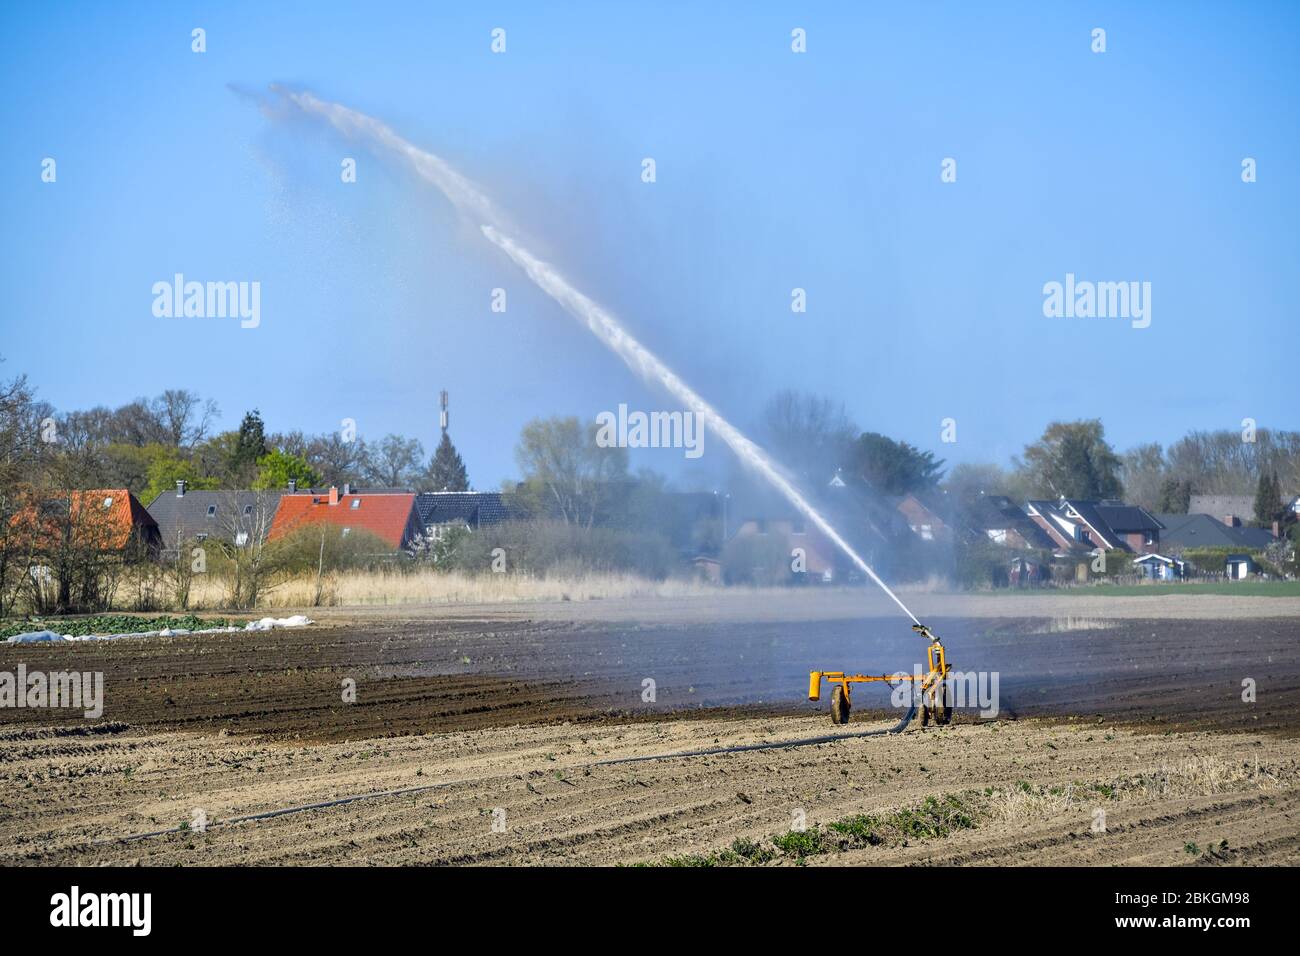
(180,488)
(293,485)
(347,488)
(334,494)
(1232,521)
(1277,529)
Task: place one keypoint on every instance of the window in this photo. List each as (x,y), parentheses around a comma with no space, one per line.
(212,511)
(356,503)
(345,532)
(248,510)
(201,537)
(108,502)
(241,539)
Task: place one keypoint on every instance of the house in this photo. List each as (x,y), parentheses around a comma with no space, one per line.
(923,517)
(388,514)
(1076,525)
(1205,531)
(707,569)
(439,510)
(999,519)
(1137,529)
(1232,510)
(105,520)
(1157,567)
(1238,566)
(236,517)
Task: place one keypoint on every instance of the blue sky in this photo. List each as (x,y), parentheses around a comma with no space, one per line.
(775,170)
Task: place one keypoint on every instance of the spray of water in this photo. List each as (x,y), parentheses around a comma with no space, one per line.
(471,202)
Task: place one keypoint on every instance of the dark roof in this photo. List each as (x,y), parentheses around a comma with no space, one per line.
(1205,531)
(998,512)
(181,517)
(1127,518)
(474,508)
(1256,537)
(1088,511)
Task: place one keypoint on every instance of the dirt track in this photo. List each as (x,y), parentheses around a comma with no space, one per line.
(507,708)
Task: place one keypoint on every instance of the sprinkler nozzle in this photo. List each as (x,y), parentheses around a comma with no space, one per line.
(925,632)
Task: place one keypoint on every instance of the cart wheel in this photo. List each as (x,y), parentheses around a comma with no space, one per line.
(839,706)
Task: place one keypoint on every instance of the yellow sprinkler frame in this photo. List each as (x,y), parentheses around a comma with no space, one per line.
(934,693)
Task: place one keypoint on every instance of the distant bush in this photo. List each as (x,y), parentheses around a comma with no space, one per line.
(325,546)
(545,548)
(979,563)
(759,560)
(1211,560)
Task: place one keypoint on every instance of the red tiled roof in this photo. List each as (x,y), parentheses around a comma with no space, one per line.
(109,528)
(388,516)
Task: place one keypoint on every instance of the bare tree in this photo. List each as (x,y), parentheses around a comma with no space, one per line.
(394,462)
(244,541)
(566,472)
(810,435)
(337,460)
(183,416)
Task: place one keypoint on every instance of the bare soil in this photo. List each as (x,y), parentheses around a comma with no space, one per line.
(1235,799)
(507,708)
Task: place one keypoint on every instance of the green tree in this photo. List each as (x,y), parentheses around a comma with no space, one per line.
(893,467)
(276,467)
(250,447)
(1268,500)
(1175,497)
(1073,460)
(168,466)
(446,471)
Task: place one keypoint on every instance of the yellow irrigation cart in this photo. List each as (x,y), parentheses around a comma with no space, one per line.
(935,704)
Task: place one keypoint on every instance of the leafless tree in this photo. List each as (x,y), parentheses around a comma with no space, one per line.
(395,462)
(183,416)
(566,473)
(338,461)
(253,559)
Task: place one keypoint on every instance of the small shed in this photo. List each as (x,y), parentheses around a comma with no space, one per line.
(1238,566)
(1157,567)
